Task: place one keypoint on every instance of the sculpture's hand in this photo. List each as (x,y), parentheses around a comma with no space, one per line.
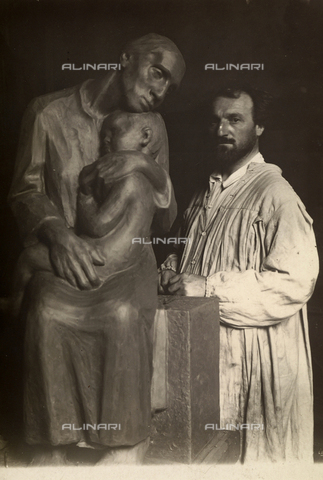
(163,280)
(72,257)
(187,284)
(87,176)
(116,165)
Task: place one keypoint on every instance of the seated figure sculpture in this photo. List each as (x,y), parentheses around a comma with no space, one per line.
(93,389)
(88,352)
(101,206)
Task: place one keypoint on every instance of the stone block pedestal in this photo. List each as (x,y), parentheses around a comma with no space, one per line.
(185,387)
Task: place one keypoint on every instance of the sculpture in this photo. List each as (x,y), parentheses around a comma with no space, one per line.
(66,327)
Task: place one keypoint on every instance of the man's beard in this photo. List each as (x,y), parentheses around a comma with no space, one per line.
(230,155)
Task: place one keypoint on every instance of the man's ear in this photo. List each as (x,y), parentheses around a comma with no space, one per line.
(124,59)
(146,134)
(259,130)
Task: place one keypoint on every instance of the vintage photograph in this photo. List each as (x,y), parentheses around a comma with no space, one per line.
(162,216)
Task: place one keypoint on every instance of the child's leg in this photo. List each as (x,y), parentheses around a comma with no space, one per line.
(31,260)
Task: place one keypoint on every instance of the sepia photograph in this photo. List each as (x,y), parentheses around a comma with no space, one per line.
(162,215)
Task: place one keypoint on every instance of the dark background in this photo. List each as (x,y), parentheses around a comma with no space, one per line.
(37,37)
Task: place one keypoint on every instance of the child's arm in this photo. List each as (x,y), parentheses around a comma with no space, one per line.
(114,166)
(97,220)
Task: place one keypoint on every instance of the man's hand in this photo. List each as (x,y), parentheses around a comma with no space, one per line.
(72,257)
(163,282)
(187,284)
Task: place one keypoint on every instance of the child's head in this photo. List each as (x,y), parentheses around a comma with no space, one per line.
(131,131)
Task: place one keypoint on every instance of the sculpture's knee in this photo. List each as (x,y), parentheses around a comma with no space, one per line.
(39,307)
(125,320)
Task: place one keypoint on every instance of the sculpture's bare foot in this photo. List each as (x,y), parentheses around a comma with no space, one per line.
(46,456)
(126,455)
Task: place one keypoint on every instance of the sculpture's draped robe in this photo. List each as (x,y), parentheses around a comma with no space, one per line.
(253,240)
(88,354)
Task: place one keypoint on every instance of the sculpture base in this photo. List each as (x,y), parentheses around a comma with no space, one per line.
(186,377)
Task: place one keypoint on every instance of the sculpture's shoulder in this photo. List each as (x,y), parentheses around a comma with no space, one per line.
(49,100)
(53,104)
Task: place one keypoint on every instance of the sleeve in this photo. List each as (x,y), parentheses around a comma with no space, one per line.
(165,218)
(286,279)
(175,250)
(27,197)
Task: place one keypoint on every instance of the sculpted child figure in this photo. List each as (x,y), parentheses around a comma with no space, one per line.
(91,326)
(109,215)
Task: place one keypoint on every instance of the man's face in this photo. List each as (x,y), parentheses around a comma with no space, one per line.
(119,133)
(147,78)
(233,129)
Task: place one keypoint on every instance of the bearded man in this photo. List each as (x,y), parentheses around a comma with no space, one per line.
(88,368)
(252,246)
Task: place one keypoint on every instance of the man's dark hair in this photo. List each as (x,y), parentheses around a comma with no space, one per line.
(260,98)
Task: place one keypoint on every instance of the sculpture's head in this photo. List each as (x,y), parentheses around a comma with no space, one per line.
(151,67)
(132,131)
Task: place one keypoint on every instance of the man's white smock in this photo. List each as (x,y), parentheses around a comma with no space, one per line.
(253,239)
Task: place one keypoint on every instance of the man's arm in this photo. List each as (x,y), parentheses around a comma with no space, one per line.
(37,217)
(284,284)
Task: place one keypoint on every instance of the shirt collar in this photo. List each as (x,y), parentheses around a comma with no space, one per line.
(215,176)
(86,100)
